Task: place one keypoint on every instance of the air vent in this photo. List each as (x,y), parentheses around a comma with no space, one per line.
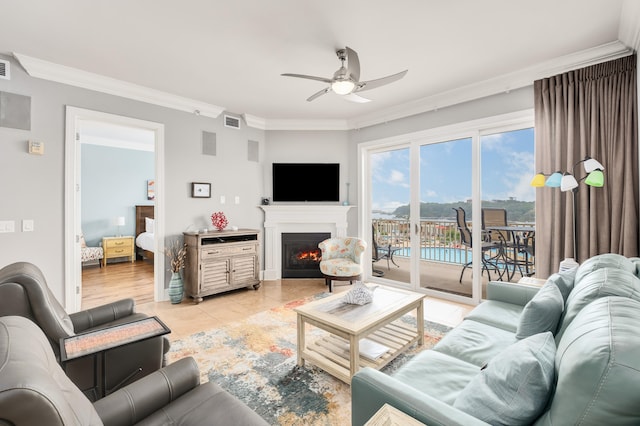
(230,121)
(4,70)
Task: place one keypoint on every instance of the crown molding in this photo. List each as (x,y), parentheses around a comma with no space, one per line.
(295,124)
(62,74)
(500,84)
(629,30)
(629,33)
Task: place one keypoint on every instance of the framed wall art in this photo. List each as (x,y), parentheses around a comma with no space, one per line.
(200,190)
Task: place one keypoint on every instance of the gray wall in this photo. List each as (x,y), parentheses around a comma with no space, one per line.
(32,187)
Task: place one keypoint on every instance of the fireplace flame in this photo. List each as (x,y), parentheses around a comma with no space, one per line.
(312,255)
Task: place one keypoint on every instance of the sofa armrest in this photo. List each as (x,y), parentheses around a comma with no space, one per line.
(143,397)
(515,293)
(371,389)
(100,315)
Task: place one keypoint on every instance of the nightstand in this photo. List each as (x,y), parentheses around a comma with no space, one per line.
(118,247)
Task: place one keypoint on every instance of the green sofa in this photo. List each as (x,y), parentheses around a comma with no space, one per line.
(562,354)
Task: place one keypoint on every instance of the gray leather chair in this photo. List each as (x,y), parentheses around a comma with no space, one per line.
(35,391)
(24,292)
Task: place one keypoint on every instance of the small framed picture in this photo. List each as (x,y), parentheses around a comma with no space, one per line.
(200,190)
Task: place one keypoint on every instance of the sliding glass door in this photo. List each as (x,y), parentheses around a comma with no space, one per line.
(389,183)
(445,185)
(424,199)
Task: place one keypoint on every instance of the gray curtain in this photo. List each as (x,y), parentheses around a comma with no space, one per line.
(592,112)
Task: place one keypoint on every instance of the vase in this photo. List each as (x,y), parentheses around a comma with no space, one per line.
(176,288)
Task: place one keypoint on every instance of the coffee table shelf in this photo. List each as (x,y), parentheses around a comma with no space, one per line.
(347,326)
(333,351)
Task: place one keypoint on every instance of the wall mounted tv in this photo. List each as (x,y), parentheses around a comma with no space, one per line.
(306,182)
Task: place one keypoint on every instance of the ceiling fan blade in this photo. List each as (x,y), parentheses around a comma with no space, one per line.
(318,94)
(372,84)
(352,97)
(309,77)
(353,64)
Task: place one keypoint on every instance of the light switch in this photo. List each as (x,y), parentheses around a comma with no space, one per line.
(7,226)
(237,199)
(222,199)
(36,147)
(27,225)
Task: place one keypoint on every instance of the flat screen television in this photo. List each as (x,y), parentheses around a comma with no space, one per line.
(306,182)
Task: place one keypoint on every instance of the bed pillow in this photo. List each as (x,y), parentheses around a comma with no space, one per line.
(149,225)
(542,313)
(516,384)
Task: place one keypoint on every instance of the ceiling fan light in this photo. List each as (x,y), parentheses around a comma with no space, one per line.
(343,87)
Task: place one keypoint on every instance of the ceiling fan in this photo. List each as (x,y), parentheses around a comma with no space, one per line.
(346,81)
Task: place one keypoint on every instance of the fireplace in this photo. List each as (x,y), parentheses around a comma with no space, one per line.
(281,219)
(301,255)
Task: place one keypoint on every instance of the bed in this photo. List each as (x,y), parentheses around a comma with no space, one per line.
(145,225)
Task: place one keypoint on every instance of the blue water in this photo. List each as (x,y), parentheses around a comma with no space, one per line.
(441,254)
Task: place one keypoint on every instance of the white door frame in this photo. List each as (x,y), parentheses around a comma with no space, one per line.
(73,269)
(471,129)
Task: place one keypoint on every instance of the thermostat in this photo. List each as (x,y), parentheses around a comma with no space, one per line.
(36,147)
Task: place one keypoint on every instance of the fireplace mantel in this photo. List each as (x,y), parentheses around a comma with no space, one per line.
(297,218)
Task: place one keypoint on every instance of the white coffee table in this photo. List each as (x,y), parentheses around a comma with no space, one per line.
(357,335)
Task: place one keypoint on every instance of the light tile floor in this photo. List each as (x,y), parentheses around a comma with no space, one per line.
(188,318)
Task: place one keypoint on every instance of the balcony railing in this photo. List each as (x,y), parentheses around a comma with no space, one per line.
(439,239)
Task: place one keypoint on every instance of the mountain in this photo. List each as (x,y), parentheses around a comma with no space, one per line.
(517,211)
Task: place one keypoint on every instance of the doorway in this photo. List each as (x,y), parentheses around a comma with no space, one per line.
(78,125)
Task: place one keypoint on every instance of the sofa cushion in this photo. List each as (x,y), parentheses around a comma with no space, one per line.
(599,283)
(542,313)
(475,342)
(436,374)
(598,367)
(607,260)
(498,314)
(515,386)
(564,281)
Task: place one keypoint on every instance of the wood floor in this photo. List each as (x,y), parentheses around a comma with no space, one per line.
(120,280)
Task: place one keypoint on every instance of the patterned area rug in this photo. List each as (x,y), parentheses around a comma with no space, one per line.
(255,360)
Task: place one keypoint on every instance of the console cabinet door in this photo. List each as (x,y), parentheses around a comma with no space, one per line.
(244,269)
(214,275)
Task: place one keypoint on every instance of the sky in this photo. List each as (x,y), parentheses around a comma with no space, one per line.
(507,164)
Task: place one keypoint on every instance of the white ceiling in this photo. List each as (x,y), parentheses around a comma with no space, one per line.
(231,54)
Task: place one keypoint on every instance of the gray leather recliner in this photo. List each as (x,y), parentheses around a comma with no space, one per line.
(24,292)
(35,391)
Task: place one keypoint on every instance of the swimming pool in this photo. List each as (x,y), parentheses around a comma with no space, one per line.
(440,254)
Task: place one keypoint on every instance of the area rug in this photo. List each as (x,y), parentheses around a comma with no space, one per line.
(255,360)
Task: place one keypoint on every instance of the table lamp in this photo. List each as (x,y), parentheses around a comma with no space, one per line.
(119,222)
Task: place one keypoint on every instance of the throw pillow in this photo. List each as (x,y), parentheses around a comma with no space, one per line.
(542,313)
(149,225)
(564,280)
(359,295)
(515,386)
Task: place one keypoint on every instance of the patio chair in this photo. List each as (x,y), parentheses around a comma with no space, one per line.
(381,252)
(488,262)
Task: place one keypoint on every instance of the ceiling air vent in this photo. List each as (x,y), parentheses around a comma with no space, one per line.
(4,69)
(233,122)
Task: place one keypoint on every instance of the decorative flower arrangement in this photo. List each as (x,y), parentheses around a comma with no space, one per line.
(177,255)
(219,220)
